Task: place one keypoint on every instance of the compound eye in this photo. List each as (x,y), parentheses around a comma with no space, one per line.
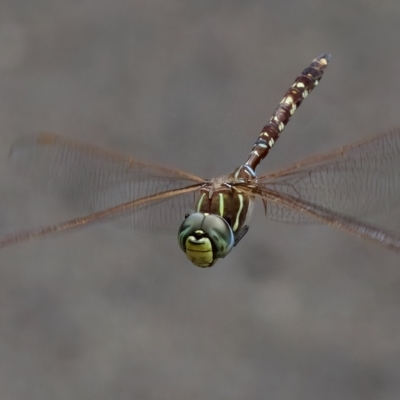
(220,234)
(191,224)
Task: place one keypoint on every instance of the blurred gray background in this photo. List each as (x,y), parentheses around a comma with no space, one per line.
(294,312)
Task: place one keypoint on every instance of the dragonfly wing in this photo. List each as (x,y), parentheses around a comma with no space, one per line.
(361,179)
(350,225)
(280,212)
(163,215)
(118,210)
(91,179)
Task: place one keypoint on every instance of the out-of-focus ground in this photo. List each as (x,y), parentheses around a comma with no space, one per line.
(294,312)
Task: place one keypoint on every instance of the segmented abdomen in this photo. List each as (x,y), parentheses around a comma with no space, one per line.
(301,87)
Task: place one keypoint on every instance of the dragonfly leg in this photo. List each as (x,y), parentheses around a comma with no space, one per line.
(239,235)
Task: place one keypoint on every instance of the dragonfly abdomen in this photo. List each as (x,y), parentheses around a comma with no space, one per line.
(294,96)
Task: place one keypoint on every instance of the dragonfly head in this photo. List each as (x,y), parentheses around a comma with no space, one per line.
(204,238)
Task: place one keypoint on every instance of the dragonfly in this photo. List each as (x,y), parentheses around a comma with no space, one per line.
(337,188)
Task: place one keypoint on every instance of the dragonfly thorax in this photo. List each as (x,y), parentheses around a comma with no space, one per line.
(204,238)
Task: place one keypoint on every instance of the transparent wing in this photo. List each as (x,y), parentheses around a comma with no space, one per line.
(92,179)
(128,208)
(358,180)
(350,225)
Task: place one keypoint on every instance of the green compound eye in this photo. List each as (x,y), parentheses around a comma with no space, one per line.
(205,238)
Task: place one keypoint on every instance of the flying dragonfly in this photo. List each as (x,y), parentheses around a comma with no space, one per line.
(212,215)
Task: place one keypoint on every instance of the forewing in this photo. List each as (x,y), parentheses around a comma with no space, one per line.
(115,211)
(91,179)
(359,180)
(348,224)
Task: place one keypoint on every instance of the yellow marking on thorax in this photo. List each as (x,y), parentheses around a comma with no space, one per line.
(236,225)
(200,202)
(221,204)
